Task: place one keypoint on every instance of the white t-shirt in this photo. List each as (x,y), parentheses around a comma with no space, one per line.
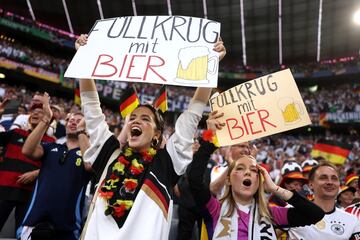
(338,225)
(21,121)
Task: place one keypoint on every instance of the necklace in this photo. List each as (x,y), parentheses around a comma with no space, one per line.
(123,181)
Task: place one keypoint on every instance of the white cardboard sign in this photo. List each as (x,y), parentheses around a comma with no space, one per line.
(175,50)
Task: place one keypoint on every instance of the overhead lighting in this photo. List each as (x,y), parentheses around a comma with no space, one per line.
(2,75)
(313,88)
(356,17)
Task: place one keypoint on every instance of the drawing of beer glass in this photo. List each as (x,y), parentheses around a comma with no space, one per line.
(290,109)
(194,64)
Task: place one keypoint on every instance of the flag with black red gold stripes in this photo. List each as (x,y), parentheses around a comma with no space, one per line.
(128,101)
(77,99)
(160,101)
(334,151)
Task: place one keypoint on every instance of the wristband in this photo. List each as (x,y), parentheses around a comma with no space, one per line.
(83,131)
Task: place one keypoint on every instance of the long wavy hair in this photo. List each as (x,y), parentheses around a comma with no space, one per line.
(259,196)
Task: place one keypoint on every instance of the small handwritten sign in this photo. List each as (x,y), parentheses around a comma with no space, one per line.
(259,108)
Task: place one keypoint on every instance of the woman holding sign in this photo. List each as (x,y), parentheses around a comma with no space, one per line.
(243,212)
(133,199)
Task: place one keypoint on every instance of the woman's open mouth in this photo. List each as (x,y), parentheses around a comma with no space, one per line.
(247,182)
(135,131)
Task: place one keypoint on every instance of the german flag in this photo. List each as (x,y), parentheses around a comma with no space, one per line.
(77,99)
(160,101)
(333,151)
(128,102)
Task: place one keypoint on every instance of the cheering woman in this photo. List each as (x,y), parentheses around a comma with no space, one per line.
(133,200)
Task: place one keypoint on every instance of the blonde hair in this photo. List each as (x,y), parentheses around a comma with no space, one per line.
(259,195)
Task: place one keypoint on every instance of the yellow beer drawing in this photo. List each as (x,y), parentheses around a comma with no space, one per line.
(193,63)
(290,110)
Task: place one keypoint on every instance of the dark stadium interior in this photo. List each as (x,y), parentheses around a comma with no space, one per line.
(299,23)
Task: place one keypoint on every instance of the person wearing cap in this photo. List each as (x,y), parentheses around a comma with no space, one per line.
(345,197)
(306,166)
(22,120)
(355,207)
(292,179)
(17,172)
(352,180)
(336,224)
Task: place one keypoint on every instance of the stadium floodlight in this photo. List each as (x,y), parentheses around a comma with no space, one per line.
(356,17)
(313,89)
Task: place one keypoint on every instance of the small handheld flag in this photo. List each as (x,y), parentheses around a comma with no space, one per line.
(77,99)
(160,101)
(128,102)
(334,151)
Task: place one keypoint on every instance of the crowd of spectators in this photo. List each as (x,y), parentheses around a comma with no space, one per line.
(323,100)
(272,152)
(333,65)
(234,65)
(59,33)
(343,98)
(18,52)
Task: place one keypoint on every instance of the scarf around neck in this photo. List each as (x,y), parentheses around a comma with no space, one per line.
(227,227)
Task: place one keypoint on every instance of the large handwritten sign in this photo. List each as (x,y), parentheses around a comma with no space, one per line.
(174,50)
(259,108)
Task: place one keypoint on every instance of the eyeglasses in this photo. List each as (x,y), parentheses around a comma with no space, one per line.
(63,157)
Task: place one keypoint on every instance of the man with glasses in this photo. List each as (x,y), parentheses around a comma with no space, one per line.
(17,172)
(55,211)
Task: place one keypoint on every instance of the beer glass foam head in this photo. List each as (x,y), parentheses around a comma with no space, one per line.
(284,102)
(186,55)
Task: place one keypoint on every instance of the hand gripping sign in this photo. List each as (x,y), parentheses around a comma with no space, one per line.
(173,50)
(260,107)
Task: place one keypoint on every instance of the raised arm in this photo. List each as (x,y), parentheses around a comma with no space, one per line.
(32,147)
(85,84)
(304,212)
(179,145)
(82,136)
(196,171)
(218,184)
(96,125)
(203,94)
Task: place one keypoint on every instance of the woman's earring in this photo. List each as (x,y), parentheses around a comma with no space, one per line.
(154,142)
